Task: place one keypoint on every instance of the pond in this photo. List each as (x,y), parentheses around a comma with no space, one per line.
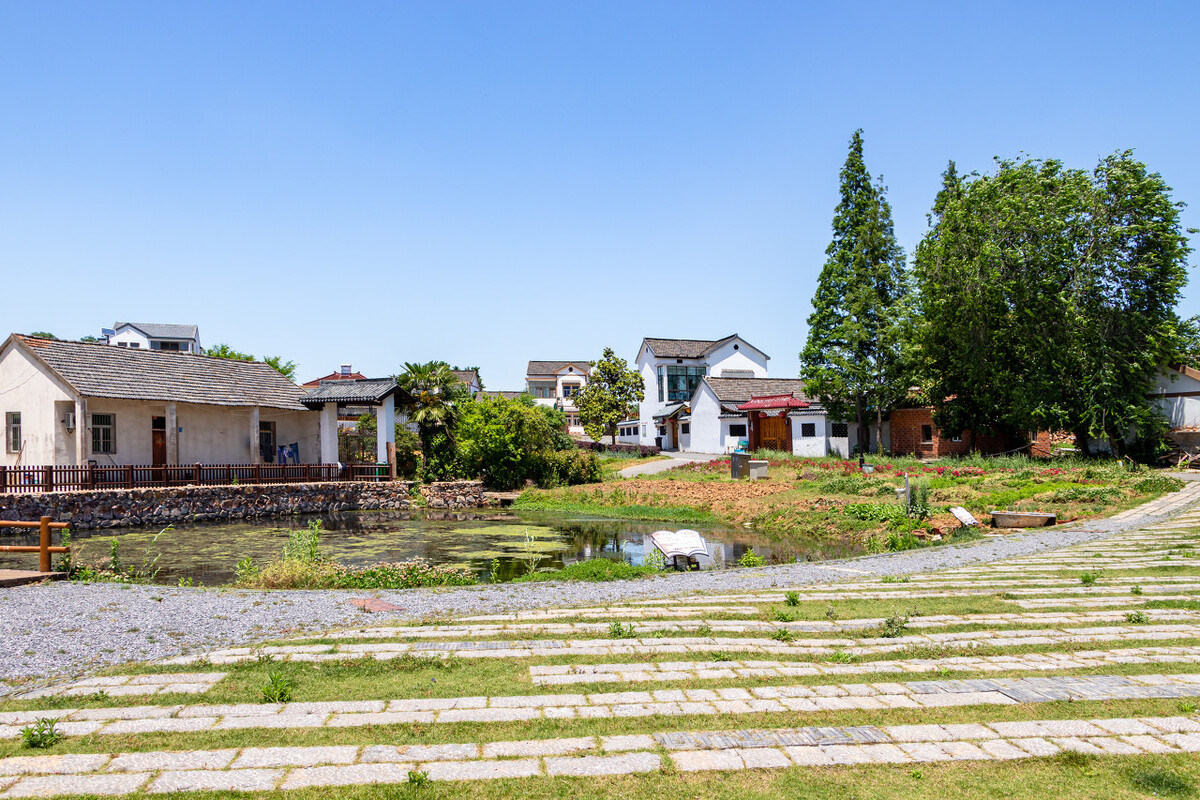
(207,553)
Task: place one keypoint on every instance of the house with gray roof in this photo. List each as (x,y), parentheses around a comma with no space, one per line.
(672,370)
(557,384)
(70,403)
(154,336)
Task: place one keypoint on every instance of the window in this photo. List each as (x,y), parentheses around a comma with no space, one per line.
(927,434)
(266,441)
(686,428)
(662,430)
(12,438)
(682,382)
(808,429)
(840,430)
(643,430)
(165,346)
(543,389)
(122,344)
(104,433)
(571,390)
(660,384)
(134,344)
(738,430)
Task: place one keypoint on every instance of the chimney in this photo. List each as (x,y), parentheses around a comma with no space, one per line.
(345,370)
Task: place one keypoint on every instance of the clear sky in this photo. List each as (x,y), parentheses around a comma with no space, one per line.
(492,182)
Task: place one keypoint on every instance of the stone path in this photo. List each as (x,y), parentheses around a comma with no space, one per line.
(265,768)
(676,459)
(128,685)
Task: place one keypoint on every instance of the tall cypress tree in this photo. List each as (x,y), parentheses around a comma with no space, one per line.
(853,359)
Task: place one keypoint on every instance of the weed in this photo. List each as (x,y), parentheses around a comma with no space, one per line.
(184,582)
(751,559)
(655,560)
(783,615)
(264,658)
(42,733)
(893,627)
(782,635)
(720,655)
(618,631)
(894,579)
(840,656)
(418,777)
(830,613)
(1073,758)
(1136,590)
(304,544)
(246,571)
(100,695)
(1088,578)
(792,598)
(704,630)
(494,572)
(114,555)
(1137,617)
(278,688)
(1186,707)
(412,663)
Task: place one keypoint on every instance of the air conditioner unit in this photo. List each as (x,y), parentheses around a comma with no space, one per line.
(69,421)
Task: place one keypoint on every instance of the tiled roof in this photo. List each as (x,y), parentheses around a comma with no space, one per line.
(163,330)
(98,370)
(506,395)
(466,376)
(740,390)
(334,376)
(365,390)
(773,401)
(552,367)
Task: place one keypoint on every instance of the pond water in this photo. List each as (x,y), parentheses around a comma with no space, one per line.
(207,553)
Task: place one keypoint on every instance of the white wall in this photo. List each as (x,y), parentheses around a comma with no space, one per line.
(706,427)
(816,446)
(1181,412)
(25,387)
(742,358)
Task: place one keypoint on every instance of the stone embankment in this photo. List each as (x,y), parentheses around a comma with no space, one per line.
(118,508)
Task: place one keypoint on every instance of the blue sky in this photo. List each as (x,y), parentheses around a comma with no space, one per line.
(492,182)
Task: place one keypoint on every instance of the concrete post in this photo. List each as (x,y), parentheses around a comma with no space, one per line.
(83,432)
(327,435)
(255,456)
(172,434)
(386,429)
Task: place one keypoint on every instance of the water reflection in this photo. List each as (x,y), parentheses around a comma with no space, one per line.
(207,553)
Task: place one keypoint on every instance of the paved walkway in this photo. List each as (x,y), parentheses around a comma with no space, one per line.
(676,459)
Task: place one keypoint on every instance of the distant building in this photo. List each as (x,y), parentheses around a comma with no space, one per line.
(557,384)
(154,336)
(469,378)
(348,414)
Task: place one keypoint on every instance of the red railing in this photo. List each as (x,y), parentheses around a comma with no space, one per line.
(73,478)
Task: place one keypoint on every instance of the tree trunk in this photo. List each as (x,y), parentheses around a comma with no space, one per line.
(879,429)
(1082,441)
(863,437)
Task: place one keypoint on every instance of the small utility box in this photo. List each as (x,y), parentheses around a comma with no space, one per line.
(758,469)
(739,465)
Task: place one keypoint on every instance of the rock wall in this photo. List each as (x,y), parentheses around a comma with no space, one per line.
(117,508)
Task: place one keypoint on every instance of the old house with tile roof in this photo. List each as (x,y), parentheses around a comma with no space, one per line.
(69,403)
(557,384)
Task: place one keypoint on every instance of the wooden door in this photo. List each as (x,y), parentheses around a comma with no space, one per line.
(158,441)
(774,434)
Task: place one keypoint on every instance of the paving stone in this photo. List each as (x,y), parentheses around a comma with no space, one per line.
(847,753)
(346,775)
(544,747)
(605,765)
(245,780)
(808,756)
(1069,727)
(273,721)
(295,756)
(1000,749)
(1016,730)
(64,764)
(381,718)
(1115,746)
(336,707)
(128,712)
(1184,741)
(488,714)
(1078,745)
(1172,724)
(480,770)
(700,760)
(964,699)
(154,762)
(238,710)
(1150,744)
(763,758)
(963,751)
(420,752)
(1123,726)
(78,784)
(918,733)
(924,751)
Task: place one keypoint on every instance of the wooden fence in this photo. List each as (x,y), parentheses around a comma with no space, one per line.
(74,478)
(43,549)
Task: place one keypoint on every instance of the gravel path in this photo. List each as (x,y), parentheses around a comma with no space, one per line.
(676,460)
(70,629)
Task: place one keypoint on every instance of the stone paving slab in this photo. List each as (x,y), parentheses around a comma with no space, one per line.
(604,765)
(243,780)
(78,784)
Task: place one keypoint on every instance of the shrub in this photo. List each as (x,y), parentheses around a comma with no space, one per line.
(1136,617)
(296,574)
(1158,484)
(594,569)
(568,468)
(792,598)
(874,512)
(618,631)
(278,688)
(751,559)
(639,450)
(893,627)
(1088,578)
(42,733)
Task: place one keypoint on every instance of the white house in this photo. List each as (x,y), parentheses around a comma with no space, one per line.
(469,378)
(672,371)
(154,336)
(1177,396)
(557,384)
(68,403)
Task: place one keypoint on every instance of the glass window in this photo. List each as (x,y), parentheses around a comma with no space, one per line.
(12,438)
(840,430)
(686,428)
(164,346)
(682,382)
(104,433)
(927,434)
(738,430)
(660,384)
(808,429)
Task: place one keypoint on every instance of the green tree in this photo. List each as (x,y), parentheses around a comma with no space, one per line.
(504,441)
(227,352)
(285,368)
(611,388)
(1048,296)
(437,397)
(43,335)
(92,339)
(854,359)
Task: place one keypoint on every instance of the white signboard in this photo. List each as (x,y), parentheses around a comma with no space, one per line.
(963,516)
(679,543)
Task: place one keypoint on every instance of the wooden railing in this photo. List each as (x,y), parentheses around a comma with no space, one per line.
(44,525)
(73,478)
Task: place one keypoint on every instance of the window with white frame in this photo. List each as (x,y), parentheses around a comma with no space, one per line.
(104,433)
(12,431)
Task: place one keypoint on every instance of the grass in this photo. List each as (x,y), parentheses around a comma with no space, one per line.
(594,569)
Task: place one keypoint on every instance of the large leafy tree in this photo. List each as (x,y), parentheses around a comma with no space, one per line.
(612,387)
(1048,296)
(437,397)
(854,358)
(285,368)
(505,441)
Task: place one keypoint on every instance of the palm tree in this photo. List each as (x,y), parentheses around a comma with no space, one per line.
(435,394)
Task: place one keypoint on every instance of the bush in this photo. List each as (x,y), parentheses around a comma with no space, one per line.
(875,512)
(1158,484)
(569,468)
(293,573)
(594,569)
(640,450)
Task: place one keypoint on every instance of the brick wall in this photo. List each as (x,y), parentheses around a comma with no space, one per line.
(908,438)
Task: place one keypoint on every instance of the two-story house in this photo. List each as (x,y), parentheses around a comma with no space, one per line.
(154,336)
(557,384)
(672,370)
